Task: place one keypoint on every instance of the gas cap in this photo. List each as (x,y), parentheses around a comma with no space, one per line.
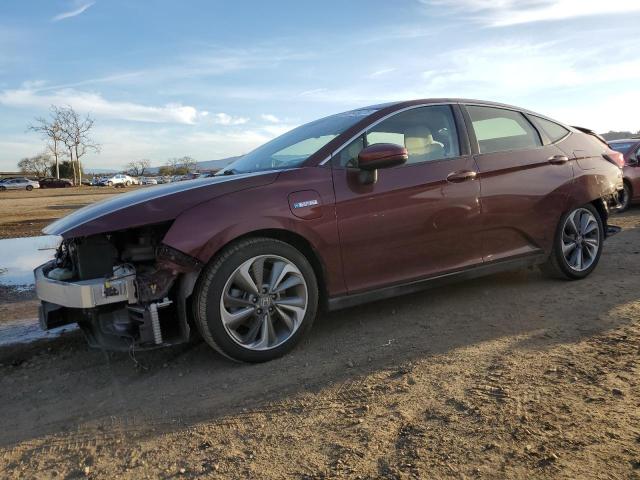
(305,204)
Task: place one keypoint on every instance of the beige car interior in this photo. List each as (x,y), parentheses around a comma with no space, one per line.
(421,146)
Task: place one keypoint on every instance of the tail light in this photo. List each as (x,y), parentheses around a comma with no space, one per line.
(615,157)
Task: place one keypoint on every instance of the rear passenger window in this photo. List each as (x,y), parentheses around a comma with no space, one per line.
(500,130)
(552,130)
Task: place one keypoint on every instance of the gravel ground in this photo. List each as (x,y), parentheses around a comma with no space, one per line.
(509,376)
(25,214)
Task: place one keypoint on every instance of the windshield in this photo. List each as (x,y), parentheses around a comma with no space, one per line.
(622,147)
(295,146)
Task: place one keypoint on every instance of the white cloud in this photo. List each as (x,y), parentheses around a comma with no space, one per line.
(312,92)
(99,106)
(500,13)
(514,68)
(267,117)
(73,13)
(226,119)
(382,71)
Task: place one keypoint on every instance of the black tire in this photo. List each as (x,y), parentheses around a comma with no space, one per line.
(2,188)
(625,198)
(29,188)
(126,184)
(212,281)
(557,265)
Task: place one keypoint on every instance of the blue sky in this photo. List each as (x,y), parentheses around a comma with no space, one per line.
(212,79)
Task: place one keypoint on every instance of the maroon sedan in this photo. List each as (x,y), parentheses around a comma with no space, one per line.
(355,207)
(630,149)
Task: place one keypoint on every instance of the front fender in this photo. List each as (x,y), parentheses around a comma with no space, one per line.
(205,229)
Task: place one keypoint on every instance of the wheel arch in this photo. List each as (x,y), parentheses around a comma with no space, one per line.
(297,241)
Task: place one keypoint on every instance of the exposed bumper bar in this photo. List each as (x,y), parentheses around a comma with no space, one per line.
(86,293)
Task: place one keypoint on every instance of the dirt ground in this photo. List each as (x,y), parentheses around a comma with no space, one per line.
(25,214)
(510,376)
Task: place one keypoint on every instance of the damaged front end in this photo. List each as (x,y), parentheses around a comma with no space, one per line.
(124,289)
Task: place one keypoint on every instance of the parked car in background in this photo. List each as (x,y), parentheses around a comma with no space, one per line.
(118,180)
(355,207)
(148,181)
(191,176)
(50,182)
(19,183)
(630,150)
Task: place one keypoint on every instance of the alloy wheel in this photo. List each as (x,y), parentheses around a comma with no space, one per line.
(580,239)
(263,302)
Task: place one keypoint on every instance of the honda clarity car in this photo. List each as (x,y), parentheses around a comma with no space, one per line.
(355,207)
(630,150)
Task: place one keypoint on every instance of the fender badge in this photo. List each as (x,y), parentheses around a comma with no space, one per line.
(307,203)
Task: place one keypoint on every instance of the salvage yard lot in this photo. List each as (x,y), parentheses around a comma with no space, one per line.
(510,376)
(24,214)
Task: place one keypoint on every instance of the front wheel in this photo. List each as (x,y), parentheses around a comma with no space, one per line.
(257,300)
(577,244)
(29,188)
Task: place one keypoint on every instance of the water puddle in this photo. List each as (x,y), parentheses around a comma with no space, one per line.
(19,256)
(28,330)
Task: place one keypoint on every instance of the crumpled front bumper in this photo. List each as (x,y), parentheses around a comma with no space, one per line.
(57,296)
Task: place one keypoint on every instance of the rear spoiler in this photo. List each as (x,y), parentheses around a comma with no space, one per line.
(591,132)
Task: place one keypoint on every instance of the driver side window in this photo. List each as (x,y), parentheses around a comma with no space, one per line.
(428,133)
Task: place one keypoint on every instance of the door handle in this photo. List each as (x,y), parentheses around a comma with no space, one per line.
(558,159)
(461,176)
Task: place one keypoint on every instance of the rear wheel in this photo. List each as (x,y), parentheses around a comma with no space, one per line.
(257,300)
(577,244)
(109,184)
(625,198)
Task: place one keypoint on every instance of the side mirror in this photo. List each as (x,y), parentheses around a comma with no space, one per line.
(379,155)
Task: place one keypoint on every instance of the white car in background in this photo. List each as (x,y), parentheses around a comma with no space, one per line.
(119,180)
(148,181)
(19,183)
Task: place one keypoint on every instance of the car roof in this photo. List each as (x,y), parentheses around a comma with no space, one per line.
(407,103)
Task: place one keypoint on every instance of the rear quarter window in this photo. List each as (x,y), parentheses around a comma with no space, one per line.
(552,130)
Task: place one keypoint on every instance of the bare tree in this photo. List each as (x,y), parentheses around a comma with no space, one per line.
(51,128)
(188,163)
(138,167)
(77,137)
(38,166)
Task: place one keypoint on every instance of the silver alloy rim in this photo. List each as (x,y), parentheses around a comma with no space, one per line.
(580,239)
(264,302)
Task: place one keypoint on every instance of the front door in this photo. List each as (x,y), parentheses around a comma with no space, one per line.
(417,220)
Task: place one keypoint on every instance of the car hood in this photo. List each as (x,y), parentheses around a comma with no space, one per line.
(151,205)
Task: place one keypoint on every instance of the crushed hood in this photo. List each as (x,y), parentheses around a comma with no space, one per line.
(151,205)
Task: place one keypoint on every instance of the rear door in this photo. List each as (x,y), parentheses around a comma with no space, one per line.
(525,180)
(419,219)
